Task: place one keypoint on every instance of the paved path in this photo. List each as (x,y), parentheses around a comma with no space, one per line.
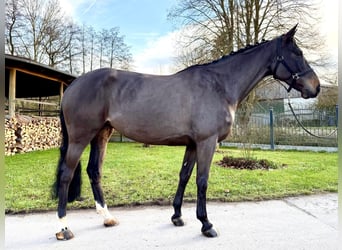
(308,222)
(282,147)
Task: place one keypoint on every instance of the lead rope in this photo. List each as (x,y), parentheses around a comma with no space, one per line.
(303,127)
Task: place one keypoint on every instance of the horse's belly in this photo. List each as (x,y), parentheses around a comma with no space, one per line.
(153,130)
(164,137)
(171,141)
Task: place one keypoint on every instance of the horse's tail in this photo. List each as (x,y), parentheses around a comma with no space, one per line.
(75,185)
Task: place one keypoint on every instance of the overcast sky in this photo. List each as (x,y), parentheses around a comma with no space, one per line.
(151,36)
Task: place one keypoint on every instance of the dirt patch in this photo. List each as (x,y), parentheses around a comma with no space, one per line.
(247,163)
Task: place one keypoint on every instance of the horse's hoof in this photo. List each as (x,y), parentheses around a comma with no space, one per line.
(210,233)
(65,234)
(178,222)
(110,222)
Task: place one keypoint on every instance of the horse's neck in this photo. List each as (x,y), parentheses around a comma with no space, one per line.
(253,67)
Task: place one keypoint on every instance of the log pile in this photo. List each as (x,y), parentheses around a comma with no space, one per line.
(25,134)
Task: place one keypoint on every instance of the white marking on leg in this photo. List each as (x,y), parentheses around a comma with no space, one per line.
(232,112)
(103,211)
(62,223)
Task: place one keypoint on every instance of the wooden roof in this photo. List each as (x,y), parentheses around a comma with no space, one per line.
(35,79)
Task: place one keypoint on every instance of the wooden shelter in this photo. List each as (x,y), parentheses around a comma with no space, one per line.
(27,79)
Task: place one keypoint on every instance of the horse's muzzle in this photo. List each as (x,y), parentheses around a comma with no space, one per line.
(309,86)
(307,93)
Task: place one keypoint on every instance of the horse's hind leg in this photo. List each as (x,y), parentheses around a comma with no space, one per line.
(184,176)
(67,170)
(97,151)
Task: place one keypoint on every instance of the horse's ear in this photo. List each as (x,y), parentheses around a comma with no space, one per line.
(288,37)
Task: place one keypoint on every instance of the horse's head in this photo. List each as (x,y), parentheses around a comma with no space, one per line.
(291,67)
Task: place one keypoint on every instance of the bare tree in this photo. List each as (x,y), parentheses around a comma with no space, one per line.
(87,42)
(33,34)
(226,25)
(41,31)
(73,52)
(12,23)
(92,37)
(118,53)
(84,48)
(37,29)
(58,41)
(191,56)
(102,43)
(103,49)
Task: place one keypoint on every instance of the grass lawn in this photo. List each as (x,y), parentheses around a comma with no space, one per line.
(133,174)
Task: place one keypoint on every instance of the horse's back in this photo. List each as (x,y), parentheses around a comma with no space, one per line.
(85,86)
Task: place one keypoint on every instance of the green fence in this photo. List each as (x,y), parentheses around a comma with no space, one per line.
(276,127)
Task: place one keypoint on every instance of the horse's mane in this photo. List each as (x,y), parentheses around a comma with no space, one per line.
(247,48)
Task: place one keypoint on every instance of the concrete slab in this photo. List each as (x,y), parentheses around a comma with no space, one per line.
(308,222)
(323,208)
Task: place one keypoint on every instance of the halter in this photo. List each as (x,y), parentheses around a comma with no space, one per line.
(294,75)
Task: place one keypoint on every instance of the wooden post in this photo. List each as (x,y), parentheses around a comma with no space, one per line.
(61,93)
(61,90)
(11,92)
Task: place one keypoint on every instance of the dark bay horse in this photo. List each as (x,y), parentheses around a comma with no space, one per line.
(194,108)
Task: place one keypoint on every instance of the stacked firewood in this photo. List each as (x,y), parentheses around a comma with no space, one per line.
(25,134)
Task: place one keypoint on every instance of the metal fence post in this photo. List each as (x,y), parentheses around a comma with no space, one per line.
(271,129)
(336,110)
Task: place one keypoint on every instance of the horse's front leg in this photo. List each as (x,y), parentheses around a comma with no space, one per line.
(184,176)
(205,151)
